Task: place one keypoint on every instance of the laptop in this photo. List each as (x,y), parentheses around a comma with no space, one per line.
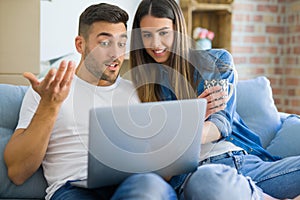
(160,137)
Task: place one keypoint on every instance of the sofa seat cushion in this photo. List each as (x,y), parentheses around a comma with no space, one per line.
(286,141)
(256,107)
(10,102)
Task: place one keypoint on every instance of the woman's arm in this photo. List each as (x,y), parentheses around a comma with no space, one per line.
(220,111)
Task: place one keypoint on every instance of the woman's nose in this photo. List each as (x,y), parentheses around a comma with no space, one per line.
(156,42)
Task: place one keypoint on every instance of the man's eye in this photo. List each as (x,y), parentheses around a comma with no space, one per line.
(104,43)
(122,44)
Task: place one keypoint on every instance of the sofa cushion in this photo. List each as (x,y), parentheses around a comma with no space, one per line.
(256,107)
(10,102)
(286,141)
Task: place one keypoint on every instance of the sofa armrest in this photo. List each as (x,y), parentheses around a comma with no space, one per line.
(286,141)
(283,115)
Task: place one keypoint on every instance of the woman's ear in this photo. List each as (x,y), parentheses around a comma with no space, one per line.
(80,44)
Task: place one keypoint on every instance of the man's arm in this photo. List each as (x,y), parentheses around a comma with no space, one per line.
(26,149)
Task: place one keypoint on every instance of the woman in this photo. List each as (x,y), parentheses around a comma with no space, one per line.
(165,67)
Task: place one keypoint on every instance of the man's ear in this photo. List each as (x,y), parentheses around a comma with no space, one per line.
(80,44)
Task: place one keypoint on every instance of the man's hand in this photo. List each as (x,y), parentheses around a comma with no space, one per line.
(26,149)
(55,86)
(216,100)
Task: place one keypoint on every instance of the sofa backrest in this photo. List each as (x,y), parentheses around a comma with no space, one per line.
(256,107)
(11,97)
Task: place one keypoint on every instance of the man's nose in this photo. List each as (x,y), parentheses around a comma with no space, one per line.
(115,51)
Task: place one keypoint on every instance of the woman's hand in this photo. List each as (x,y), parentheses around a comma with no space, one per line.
(216,99)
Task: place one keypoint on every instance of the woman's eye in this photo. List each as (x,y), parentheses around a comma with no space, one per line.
(163,33)
(146,35)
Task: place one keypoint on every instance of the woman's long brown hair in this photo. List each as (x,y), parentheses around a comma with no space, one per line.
(144,69)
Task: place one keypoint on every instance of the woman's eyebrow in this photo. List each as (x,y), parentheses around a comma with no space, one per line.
(161,29)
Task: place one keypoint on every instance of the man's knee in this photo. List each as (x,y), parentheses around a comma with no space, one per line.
(151,184)
(148,179)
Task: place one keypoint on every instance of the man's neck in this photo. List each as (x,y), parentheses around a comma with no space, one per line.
(84,74)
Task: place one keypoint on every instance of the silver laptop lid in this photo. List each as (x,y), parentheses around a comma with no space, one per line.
(161,137)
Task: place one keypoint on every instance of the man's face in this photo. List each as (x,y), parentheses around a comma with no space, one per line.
(104,51)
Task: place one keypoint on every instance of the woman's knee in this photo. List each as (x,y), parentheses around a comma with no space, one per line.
(216,181)
(204,182)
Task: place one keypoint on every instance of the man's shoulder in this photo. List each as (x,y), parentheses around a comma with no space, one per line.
(31,94)
(126,86)
(125,81)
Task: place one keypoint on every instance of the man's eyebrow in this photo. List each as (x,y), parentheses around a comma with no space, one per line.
(104,34)
(124,35)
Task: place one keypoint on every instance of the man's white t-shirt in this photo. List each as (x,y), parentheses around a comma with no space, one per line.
(66,156)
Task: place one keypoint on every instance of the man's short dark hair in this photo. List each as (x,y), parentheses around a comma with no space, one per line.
(101,12)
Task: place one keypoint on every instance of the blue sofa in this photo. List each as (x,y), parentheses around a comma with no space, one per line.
(254,103)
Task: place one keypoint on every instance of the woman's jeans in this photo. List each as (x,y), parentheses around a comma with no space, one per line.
(139,186)
(280,179)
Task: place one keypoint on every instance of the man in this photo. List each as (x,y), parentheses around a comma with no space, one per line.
(53,124)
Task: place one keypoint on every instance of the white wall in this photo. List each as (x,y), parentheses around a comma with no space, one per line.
(59,24)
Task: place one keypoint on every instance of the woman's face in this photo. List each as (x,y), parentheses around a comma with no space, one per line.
(157,36)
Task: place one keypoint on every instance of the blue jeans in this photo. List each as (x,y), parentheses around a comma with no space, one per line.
(138,186)
(215,182)
(280,179)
